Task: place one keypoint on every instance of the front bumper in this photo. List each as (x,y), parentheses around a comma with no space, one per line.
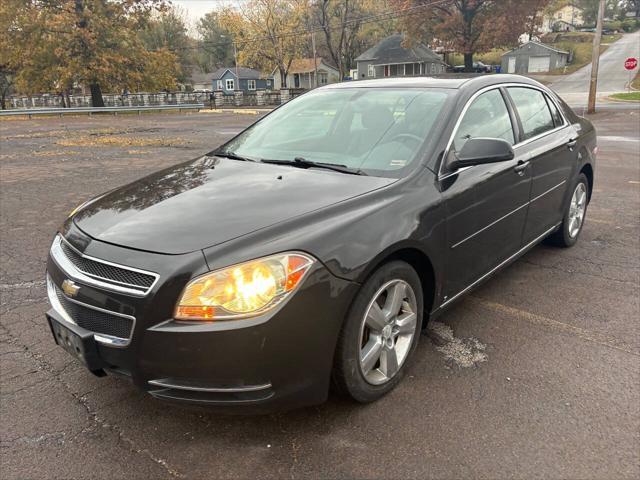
(277,361)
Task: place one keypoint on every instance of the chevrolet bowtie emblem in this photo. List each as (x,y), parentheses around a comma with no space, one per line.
(69,288)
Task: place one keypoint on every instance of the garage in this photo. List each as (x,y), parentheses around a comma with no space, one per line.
(534,57)
(539,64)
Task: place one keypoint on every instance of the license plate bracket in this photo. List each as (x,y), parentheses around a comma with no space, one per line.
(78,342)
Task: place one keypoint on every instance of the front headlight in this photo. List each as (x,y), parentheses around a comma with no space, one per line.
(243,290)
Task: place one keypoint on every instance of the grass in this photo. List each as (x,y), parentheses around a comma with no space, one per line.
(629,97)
(493,57)
(581,45)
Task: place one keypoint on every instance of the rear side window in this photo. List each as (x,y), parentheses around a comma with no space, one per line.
(486,117)
(557,118)
(533,111)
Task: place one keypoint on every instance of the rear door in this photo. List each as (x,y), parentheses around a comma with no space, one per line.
(549,142)
(486,204)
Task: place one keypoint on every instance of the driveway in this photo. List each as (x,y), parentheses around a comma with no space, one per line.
(536,373)
(612,76)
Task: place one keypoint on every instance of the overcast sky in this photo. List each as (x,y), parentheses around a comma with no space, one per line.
(197,8)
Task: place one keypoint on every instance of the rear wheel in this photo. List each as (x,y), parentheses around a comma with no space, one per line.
(573,220)
(380,333)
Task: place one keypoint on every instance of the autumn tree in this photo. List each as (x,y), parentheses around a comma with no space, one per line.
(467,26)
(58,44)
(9,60)
(166,29)
(214,46)
(268,33)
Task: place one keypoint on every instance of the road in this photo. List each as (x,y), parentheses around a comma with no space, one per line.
(612,76)
(541,377)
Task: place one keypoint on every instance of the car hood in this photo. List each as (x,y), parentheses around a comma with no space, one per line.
(209,201)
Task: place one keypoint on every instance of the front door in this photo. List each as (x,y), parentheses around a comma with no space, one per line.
(512,65)
(547,138)
(486,204)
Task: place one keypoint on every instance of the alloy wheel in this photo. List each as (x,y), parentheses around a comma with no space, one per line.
(577,210)
(387,331)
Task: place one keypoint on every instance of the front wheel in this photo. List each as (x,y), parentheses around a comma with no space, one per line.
(380,333)
(574,215)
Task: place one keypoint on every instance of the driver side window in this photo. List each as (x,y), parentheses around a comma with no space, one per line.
(487,117)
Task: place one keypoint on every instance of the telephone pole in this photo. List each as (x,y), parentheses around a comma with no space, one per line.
(593,86)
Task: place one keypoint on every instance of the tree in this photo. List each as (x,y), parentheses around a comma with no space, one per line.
(59,44)
(215,48)
(632,6)
(268,33)
(167,30)
(8,58)
(339,23)
(533,13)
(590,10)
(468,26)
(342,23)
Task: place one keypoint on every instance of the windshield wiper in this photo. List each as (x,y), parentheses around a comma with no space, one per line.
(304,163)
(232,156)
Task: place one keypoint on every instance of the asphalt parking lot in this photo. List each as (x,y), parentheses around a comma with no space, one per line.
(538,374)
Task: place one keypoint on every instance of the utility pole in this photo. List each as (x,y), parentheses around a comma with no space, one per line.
(315,61)
(593,86)
(235,58)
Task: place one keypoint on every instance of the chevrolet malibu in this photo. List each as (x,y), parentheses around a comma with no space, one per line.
(310,250)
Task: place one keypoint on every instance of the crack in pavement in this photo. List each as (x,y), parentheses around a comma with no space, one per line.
(93,414)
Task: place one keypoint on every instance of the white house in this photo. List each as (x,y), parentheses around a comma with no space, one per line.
(302,74)
(567,18)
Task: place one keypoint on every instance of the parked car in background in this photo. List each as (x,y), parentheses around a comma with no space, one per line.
(478,67)
(313,247)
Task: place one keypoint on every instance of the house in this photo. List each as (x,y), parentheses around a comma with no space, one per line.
(562,19)
(249,80)
(389,58)
(533,57)
(302,74)
(201,81)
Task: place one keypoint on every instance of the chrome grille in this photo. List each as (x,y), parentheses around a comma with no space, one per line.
(95,321)
(100,273)
(107,272)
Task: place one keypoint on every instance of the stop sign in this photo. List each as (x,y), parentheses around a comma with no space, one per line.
(631,63)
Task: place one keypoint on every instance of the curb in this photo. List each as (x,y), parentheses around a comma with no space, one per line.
(621,100)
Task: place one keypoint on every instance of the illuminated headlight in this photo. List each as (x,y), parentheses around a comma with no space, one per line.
(243,290)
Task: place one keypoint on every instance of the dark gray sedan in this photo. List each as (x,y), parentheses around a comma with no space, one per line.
(313,247)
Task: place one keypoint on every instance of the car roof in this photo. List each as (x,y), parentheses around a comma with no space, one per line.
(452,81)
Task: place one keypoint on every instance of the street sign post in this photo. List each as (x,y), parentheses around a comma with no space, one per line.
(630,64)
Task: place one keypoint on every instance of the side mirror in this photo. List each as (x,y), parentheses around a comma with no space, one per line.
(478,151)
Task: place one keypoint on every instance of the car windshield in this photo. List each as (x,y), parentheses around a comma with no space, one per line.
(375,130)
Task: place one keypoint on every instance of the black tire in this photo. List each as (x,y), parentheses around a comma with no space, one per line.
(562,237)
(347,376)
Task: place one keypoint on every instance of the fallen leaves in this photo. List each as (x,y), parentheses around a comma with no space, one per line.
(119,141)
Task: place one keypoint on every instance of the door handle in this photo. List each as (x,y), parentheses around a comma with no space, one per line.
(572,143)
(521,167)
